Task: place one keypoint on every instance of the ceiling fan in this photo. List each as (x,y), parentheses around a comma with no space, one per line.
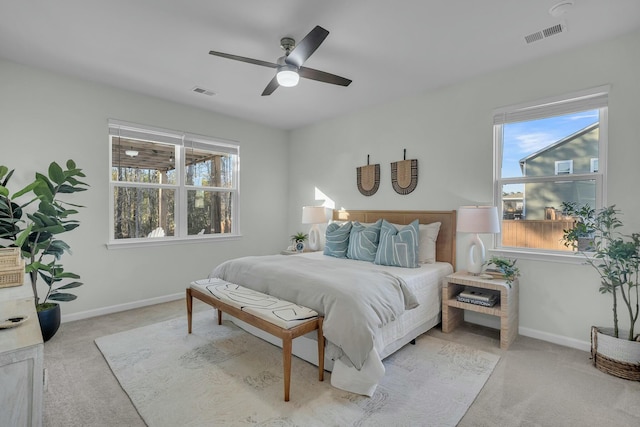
(289,66)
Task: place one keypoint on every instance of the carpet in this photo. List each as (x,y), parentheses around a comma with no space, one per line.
(222,376)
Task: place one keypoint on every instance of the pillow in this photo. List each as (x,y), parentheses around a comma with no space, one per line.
(337,239)
(363,241)
(427,243)
(398,247)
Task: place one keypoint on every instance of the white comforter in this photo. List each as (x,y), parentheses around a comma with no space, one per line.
(355,302)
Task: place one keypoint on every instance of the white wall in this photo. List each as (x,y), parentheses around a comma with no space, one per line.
(449,131)
(47,117)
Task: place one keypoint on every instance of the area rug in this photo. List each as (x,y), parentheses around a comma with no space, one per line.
(222,376)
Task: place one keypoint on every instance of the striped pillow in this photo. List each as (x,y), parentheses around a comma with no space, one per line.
(337,239)
(398,247)
(363,241)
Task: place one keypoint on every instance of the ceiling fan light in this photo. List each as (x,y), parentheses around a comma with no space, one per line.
(287,76)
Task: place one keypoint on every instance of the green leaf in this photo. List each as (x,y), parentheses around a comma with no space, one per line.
(71,164)
(60,296)
(71,285)
(4,191)
(26,189)
(56,174)
(3,171)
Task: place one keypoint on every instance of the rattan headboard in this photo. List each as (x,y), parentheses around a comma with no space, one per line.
(446,243)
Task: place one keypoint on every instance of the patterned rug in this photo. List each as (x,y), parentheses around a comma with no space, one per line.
(223,376)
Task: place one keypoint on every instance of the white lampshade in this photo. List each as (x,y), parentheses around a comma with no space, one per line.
(287,76)
(477,219)
(314,215)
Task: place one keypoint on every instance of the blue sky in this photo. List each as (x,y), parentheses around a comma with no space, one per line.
(524,138)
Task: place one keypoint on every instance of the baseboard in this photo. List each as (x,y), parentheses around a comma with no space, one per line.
(555,339)
(121,307)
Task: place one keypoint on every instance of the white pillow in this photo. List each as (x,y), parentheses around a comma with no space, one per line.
(427,245)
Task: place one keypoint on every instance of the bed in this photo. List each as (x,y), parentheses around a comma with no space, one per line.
(406,301)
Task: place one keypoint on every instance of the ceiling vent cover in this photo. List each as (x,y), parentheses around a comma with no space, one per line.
(203,91)
(547,32)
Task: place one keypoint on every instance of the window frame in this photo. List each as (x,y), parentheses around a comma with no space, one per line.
(182,141)
(589,99)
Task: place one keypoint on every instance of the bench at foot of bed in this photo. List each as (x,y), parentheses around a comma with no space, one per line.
(282,319)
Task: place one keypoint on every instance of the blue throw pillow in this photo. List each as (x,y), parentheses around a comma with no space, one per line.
(363,241)
(398,248)
(337,239)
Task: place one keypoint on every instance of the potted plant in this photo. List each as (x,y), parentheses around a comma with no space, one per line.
(298,240)
(506,267)
(584,227)
(39,240)
(616,259)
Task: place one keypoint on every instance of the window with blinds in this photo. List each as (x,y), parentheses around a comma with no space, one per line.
(546,153)
(168,185)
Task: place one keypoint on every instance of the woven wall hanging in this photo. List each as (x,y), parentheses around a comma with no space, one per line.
(368,178)
(404,175)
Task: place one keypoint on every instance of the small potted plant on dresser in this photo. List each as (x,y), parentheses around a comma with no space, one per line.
(616,259)
(38,240)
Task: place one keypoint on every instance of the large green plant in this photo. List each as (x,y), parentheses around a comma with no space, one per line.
(616,257)
(38,235)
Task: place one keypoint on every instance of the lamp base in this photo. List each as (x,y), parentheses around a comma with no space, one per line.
(476,255)
(314,238)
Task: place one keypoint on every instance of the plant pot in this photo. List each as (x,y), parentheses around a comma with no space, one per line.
(49,320)
(616,356)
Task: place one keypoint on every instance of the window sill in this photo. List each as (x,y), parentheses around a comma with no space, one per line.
(532,255)
(168,241)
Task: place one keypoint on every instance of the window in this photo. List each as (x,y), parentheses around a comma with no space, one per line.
(564,167)
(167,185)
(546,153)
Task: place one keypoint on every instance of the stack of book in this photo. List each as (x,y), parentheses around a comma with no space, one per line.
(472,296)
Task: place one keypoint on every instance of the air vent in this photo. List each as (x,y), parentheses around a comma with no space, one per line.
(203,91)
(547,32)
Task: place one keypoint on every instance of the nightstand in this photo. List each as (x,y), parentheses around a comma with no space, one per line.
(506,308)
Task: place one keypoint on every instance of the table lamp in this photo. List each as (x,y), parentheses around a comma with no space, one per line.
(476,220)
(314,215)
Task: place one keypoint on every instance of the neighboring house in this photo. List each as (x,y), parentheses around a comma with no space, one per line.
(512,204)
(575,154)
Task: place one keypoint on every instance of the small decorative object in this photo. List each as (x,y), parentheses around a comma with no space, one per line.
(616,259)
(298,240)
(368,178)
(11,268)
(477,219)
(314,215)
(12,322)
(504,268)
(404,175)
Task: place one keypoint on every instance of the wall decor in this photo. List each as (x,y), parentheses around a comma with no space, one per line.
(368,178)
(404,175)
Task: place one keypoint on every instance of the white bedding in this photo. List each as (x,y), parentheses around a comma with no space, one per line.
(425,282)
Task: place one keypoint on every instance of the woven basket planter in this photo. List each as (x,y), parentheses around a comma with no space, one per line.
(615,356)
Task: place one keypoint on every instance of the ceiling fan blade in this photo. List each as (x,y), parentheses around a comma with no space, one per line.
(244,59)
(321,76)
(273,85)
(307,46)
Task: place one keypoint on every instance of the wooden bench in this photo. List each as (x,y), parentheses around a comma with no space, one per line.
(287,334)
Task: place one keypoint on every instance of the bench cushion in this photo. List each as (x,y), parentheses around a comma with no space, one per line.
(282,313)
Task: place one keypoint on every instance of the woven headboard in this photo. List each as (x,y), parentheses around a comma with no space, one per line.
(446,243)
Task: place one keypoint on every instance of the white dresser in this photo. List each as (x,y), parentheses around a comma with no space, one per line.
(21,360)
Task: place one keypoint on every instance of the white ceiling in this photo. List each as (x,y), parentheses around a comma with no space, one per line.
(388,48)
